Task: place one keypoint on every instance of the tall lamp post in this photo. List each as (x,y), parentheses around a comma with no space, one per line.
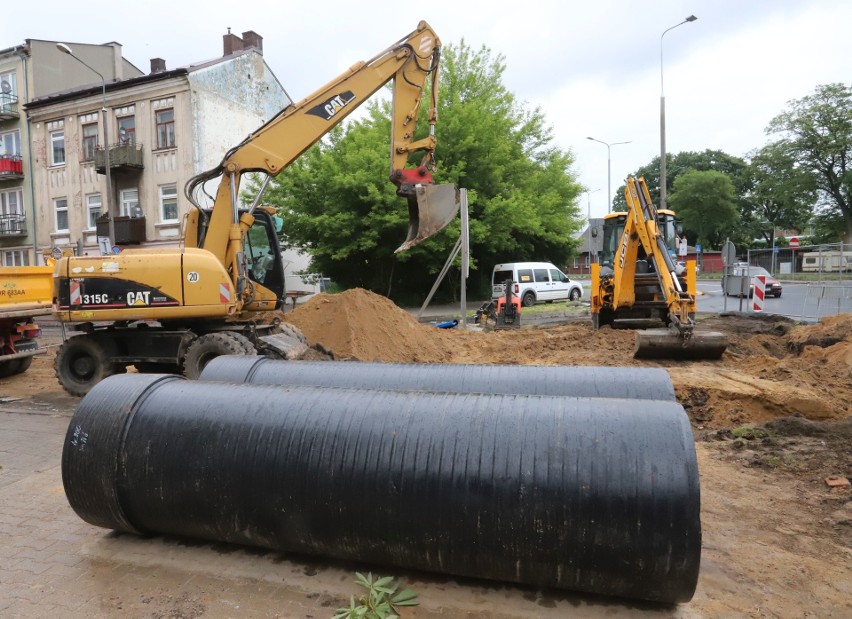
(608,170)
(109,207)
(691,18)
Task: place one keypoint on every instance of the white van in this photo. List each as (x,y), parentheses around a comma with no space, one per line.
(534,282)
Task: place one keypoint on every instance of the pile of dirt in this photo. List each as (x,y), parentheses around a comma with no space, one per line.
(364,326)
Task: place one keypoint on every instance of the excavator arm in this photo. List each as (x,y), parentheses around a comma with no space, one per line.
(408,63)
(642,231)
(615,294)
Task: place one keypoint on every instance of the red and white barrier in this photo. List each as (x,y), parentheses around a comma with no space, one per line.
(759,293)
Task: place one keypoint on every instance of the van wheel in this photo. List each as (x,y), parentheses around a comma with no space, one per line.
(529,299)
(575,294)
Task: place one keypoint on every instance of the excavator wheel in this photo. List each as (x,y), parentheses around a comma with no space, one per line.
(668,344)
(212,345)
(83,361)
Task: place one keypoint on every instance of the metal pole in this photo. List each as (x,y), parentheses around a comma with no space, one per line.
(465,250)
(608,169)
(691,18)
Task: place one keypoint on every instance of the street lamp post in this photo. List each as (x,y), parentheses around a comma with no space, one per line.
(109,201)
(608,170)
(691,18)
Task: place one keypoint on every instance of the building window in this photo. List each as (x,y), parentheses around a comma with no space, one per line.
(10,143)
(16,258)
(8,90)
(90,141)
(60,206)
(129,201)
(127,130)
(11,211)
(166,128)
(57,147)
(93,206)
(168,203)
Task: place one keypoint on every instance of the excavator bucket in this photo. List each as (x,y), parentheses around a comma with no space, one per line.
(669,344)
(430,209)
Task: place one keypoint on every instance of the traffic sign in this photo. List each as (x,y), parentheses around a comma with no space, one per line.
(794,242)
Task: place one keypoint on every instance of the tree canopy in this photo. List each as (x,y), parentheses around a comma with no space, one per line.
(816,133)
(706,202)
(339,206)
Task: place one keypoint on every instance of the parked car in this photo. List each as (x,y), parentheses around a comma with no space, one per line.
(534,282)
(773,286)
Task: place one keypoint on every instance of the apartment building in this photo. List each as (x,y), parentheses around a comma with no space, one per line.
(163,128)
(29,71)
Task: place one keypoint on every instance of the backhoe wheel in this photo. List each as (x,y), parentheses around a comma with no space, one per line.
(529,299)
(212,345)
(292,330)
(10,367)
(81,363)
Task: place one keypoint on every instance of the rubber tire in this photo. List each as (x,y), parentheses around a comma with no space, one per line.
(81,363)
(211,345)
(10,367)
(574,294)
(528,299)
(293,330)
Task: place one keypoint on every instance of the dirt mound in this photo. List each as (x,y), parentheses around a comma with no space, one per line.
(361,325)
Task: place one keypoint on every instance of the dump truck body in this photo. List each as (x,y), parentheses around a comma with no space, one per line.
(25,294)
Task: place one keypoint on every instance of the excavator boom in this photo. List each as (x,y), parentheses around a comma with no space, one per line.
(275,145)
(624,292)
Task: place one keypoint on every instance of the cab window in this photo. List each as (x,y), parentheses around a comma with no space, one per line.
(556,275)
(541,275)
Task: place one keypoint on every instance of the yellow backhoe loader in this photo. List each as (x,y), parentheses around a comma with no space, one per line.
(172,310)
(637,282)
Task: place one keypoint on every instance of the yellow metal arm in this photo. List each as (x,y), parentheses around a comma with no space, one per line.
(285,137)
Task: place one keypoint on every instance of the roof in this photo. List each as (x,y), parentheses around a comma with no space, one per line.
(75,93)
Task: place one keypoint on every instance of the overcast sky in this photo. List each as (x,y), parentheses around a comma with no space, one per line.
(592,67)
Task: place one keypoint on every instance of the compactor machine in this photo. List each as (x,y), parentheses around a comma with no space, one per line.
(638,283)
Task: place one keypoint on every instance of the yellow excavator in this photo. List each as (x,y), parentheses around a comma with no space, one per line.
(637,283)
(172,310)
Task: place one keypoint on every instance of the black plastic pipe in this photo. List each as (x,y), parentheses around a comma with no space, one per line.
(593,495)
(581,382)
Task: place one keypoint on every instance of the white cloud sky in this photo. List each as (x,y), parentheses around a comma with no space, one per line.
(594,70)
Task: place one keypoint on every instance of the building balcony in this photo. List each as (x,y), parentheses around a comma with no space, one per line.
(128,230)
(13,225)
(122,157)
(11,167)
(9,109)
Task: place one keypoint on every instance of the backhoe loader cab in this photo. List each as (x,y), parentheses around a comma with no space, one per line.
(613,229)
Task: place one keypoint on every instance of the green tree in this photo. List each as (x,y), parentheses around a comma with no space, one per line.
(706,203)
(339,206)
(782,193)
(816,132)
(734,167)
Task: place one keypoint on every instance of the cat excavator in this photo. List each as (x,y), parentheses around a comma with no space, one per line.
(172,310)
(639,282)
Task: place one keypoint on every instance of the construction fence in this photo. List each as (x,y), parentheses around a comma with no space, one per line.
(817,280)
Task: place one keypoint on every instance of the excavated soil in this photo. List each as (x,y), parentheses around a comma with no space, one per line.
(772,421)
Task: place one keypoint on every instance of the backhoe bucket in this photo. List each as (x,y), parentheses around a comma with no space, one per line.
(430,209)
(669,344)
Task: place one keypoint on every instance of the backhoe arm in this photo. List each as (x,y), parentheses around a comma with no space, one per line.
(642,230)
(275,145)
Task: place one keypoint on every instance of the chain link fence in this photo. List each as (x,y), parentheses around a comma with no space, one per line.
(817,279)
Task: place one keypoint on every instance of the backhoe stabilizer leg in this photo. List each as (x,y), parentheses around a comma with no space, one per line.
(430,209)
(669,344)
